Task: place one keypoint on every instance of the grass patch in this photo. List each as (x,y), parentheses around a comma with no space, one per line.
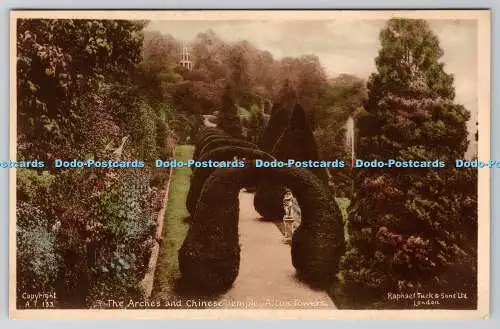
(174,229)
(335,290)
(343,205)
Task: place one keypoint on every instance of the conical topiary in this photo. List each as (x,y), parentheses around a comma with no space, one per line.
(297,142)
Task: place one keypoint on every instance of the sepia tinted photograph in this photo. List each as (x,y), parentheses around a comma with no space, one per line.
(250,164)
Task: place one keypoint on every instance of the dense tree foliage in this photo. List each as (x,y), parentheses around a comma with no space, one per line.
(411,229)
(255,77)
(238,81)
(79,97)
(340,99)
(58,62)
(229,121)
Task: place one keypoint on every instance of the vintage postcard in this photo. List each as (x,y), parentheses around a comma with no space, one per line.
(250,164)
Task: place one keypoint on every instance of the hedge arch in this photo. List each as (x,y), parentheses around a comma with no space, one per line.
(203,141)
(225,141)
(210,255)
(207,137)
(268,201)
(296,142)
(208,131)
(226,153)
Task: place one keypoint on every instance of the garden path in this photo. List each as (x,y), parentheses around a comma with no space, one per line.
(267,277)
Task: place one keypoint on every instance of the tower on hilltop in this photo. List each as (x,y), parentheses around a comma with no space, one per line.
(185,58)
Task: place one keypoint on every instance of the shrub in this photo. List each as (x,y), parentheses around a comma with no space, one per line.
(255,125)
(36,230)
(225,153)
(56,67)
(37,259)
(418,248)
(124,238)
(275,127)
(228,119)
(206,131)
(297,142)
(106,237)
(142,127)
(78,97)
(209,257)
(162,131)
(207,137)
(268,201)
(74,194)
(203,141)
(185,125)
(35,187)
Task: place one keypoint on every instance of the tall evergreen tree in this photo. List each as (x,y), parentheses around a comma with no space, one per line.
(411,229)
(280,116)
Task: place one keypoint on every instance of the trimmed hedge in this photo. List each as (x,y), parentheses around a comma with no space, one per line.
(225,141)
(208,131)
(210,255)
(268,201)
(225,153)
(297,142)
(203,141)
(275,127)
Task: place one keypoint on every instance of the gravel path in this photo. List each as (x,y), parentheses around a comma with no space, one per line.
(267,277)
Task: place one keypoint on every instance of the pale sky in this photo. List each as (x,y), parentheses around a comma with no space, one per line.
(344,46)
